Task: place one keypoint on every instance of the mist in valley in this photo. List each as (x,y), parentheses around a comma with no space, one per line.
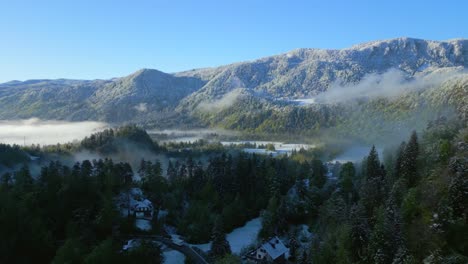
(46,132)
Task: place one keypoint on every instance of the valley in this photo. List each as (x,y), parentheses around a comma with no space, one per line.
(355,155)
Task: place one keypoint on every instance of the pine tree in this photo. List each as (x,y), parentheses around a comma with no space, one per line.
(347,174)
(409,161)
(458,195)
(399,160)
(23,181)
(360,231)
(319,171)
(171,172)
(373,165)
(220,246)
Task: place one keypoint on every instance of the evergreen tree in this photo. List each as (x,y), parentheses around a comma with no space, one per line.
(146,253)
(399,161)
(360,231)
(319,171)
(347,174)
(409,162)
(373,169)
(102,253)
(71,252)
(220,246)
(171,172)
(23,181)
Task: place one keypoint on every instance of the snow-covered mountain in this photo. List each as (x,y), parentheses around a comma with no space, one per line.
(153,95)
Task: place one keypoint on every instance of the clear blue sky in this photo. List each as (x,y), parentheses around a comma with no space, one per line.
(85,39)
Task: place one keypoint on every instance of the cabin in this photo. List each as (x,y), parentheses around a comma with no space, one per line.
(143,208)
(272,251)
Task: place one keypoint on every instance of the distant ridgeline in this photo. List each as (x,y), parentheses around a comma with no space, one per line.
(377,86)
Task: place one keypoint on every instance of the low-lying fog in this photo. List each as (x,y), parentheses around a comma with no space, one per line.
(46,132)
(356,154)
(189,136)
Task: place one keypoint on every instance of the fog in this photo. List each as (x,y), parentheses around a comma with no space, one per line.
(224,102)
(190,136)
(356,153)
(46,132)
(390,84)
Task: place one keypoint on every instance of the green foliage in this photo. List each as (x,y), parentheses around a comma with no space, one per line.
(409,161)
(347,175)
(147,252)
(111,140)
(220,246)
(12,155)
(413,214)
(229,259)
(72,252)
(102,253)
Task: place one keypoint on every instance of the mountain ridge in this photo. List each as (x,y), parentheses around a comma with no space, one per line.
(152,97)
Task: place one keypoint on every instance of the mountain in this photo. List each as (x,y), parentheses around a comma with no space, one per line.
(135,97)
(306,72)
(231,95)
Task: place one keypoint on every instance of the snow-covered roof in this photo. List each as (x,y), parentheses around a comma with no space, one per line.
(140,205)
(275,248)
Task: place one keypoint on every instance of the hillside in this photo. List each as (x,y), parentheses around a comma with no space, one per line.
(256,95)
(137,97)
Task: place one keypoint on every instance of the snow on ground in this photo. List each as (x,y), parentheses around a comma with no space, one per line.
(304,235)
(131,244)
(143,224)
(240,237)
(173,257)
(204,247)
(244,236)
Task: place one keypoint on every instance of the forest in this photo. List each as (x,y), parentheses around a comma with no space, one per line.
(408,205)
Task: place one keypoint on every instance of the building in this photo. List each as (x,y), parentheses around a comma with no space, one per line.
(272,251)
(143,208)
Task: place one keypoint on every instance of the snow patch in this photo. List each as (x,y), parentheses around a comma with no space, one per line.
(244,236)
(240,237)
(173,257)
(143,224)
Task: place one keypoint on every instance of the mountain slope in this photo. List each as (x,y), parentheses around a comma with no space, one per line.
(238,95)
(306,72)
(135,97)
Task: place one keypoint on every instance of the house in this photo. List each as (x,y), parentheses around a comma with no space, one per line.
(272,251)
(142,208)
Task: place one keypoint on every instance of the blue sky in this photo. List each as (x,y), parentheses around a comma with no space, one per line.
(103,39)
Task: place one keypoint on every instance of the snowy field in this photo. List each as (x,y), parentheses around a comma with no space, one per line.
(143,224)
(240,237)
(244,236)
(173,257)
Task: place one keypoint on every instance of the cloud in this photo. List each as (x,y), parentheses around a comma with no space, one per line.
(390,84)
(46,132)
(225,102)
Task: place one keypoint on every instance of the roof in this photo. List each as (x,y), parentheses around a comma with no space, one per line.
(141,205)
(274,247)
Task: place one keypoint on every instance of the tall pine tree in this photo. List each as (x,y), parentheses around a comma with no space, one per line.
(220,246)
(409,162)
